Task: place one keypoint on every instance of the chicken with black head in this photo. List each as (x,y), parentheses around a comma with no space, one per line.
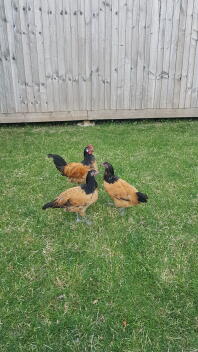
(76,172)
(77,199)
(121,192)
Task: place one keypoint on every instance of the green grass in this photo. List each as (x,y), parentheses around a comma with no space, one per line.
(67,286)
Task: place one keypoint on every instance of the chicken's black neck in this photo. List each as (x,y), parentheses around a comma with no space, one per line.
(90,185)
(109,176)
(88,158)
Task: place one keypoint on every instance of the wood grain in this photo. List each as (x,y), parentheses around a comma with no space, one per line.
(99,55)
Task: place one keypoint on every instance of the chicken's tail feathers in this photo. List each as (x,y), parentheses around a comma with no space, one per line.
(48,205)
(142,197)
(59,162)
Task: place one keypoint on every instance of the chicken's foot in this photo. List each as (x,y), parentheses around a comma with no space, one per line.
(82,219)
(78,218)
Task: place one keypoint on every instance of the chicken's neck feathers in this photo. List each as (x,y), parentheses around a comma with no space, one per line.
(90,185)
(88,159)
(109,176)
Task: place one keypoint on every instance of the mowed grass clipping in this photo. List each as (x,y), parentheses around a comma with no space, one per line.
(124,284)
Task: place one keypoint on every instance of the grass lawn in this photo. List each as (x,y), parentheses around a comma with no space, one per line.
(124,284)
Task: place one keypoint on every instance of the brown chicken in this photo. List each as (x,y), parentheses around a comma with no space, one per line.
(77,199)
(122,193)
(76,172)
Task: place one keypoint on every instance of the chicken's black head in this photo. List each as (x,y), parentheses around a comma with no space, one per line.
(108,167)
(91,183)
(109,173)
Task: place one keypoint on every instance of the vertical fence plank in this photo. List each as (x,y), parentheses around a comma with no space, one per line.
(114,54)
(82,55)
(54,52)
(173,54)
(68,55)
(186,52)
(194,100)
(101,54)
(59,17)
(140,59)
(74,44)
(134,57)
(41,55)
(6,62)
(192,54)
(88,58)
(11,41)
(33,54)
(166,56)
(128,45)
(107,53)
(3,100)
(194,94)
(148,9)
(160,54)
(95,55)
(121,53)
(180,53)
(47,54)
(23,100)
(153,53)
(27,55)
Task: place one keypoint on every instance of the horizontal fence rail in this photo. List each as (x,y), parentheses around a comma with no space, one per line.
(94,59)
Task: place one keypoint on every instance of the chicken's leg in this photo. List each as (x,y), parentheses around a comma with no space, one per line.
(122,211)
(82,219)
(78,218)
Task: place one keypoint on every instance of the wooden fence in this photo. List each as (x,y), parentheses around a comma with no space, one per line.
(97,59)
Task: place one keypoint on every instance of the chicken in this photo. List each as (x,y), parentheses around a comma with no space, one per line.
(77,199)
(76,172)
(121,192)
